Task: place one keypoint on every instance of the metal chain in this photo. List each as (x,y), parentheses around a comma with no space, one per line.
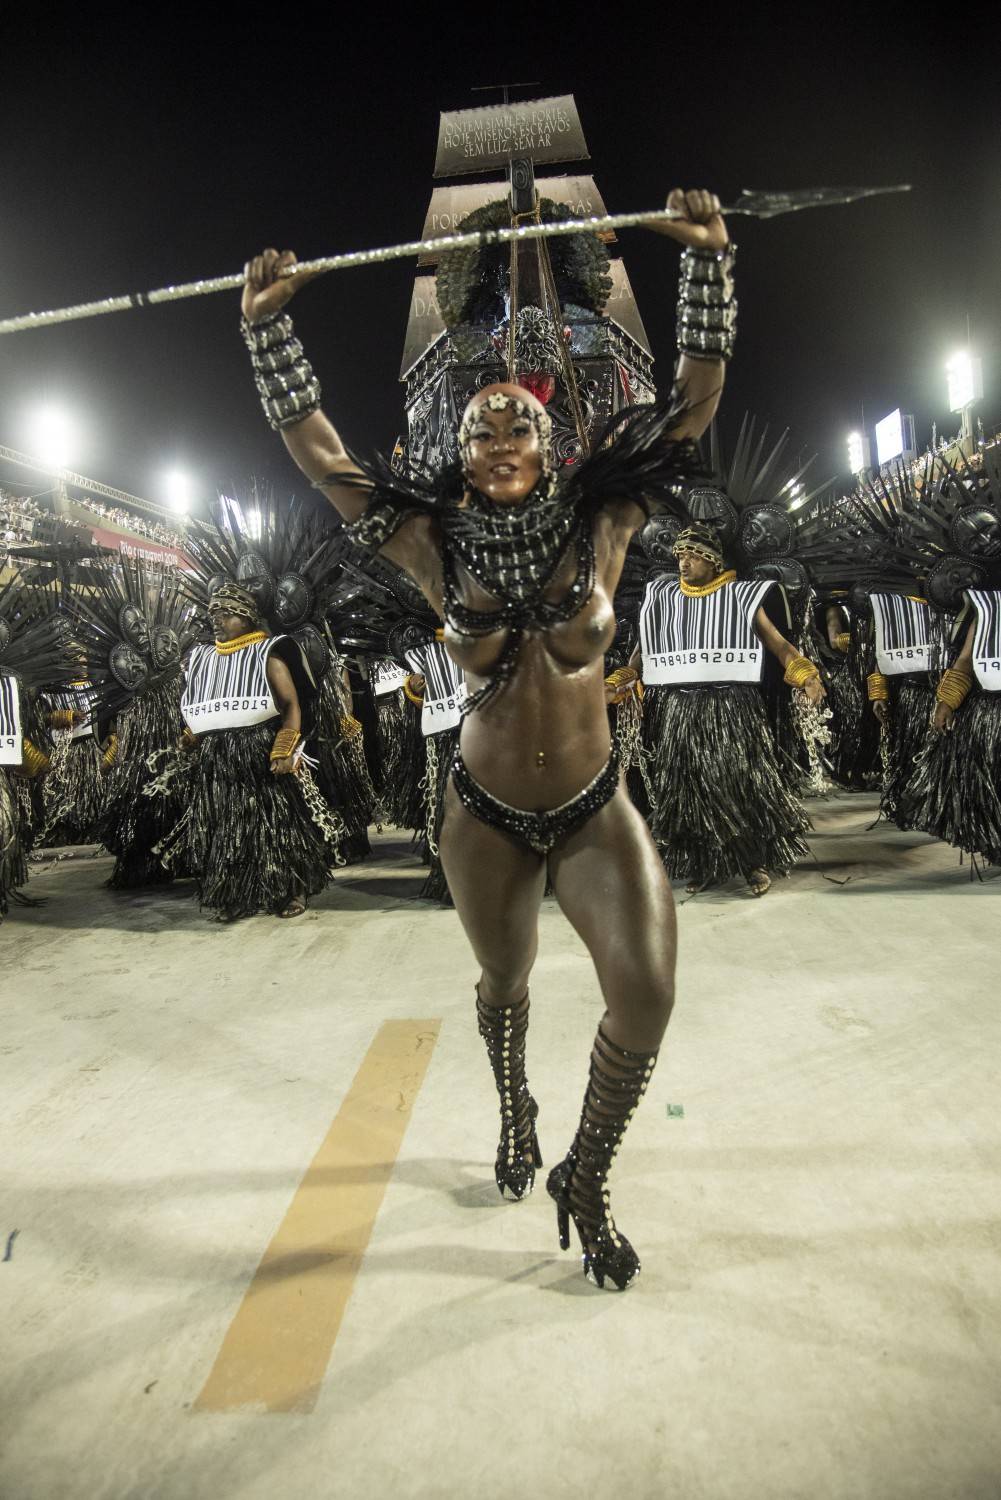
(629,739)
(429,786)
(813,723)
(327,819)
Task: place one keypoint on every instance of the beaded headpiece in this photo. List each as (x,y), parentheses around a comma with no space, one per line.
(501,401)
(701,540)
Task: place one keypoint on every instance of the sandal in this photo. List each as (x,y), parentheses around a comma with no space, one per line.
(759,882)
(295,907)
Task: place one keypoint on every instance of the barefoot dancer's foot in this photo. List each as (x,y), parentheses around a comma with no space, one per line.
(759,881)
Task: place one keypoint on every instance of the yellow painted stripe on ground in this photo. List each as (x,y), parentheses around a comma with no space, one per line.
(278,1346)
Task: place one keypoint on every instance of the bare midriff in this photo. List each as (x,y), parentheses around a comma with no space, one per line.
(544,736)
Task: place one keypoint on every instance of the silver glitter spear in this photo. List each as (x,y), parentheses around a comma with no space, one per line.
(755,205)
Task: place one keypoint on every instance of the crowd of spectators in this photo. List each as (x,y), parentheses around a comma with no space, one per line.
(22,519)
(154,530)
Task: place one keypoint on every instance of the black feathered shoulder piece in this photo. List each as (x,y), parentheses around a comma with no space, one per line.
(634,459)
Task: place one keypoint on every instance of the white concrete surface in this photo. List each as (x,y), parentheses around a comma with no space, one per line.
(819,1310)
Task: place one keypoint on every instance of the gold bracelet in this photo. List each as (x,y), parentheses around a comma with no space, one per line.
(285,743)
(350,727)
(879,688)
(111,753)
(622,677)
(843,641)
(800,671)
(33,760)
(189,738)
(954,687)
(62,718)
(411,692)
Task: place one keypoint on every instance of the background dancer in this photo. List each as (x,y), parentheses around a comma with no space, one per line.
(523,565)
(249,833)
(724,806)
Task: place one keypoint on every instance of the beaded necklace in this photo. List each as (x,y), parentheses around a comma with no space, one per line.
(514,552)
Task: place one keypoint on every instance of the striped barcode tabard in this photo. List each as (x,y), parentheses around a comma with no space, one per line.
(903,628)
(987,638)
(11,744)
(77,699)
(387,677)
(228,692)
(445,687)
(709,639)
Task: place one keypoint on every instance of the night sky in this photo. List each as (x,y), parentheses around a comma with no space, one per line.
(179,148)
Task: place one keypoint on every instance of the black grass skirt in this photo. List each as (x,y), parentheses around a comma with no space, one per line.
(853,753)
(911,708)
(73,793)
(251,841)
(723,803)
(132,824)
(403,757)
(955,793)
(16,834)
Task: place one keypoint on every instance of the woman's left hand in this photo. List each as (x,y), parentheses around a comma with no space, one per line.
(815,691)
(701,226)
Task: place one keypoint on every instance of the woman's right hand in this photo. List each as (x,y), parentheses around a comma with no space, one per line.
(265,290)
(882,711)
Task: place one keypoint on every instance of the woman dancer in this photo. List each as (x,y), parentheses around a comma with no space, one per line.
(522,564)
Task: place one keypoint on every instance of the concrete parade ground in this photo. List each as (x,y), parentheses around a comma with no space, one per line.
(251,1245)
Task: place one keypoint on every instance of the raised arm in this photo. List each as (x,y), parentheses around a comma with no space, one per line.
(700,375)
(313,441)
(288,386)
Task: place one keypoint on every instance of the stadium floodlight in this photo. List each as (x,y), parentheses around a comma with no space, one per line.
(857,457)
(53,437)
(177,488)
(964,372)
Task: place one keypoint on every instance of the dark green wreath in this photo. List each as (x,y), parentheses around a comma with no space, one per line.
(472,283)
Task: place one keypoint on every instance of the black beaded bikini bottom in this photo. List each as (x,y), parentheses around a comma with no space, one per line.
(539,830)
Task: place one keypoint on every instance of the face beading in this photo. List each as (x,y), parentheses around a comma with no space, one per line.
(501,401)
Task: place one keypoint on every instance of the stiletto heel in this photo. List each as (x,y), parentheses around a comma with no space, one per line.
(577,1184)
(504,1029)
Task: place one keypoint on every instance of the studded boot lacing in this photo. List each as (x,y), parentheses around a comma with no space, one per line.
(618,1080)
(504,1030)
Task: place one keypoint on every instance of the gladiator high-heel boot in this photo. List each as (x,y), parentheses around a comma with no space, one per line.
(578,1184)
(504,1029)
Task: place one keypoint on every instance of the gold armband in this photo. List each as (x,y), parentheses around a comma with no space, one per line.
(953,688)
(879,688)
(33,760)
(843,641)
(622,677)
(62,718)
(111,752)
(285,743)
(800,671)
(189,738)
(350,727)
(411,692)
